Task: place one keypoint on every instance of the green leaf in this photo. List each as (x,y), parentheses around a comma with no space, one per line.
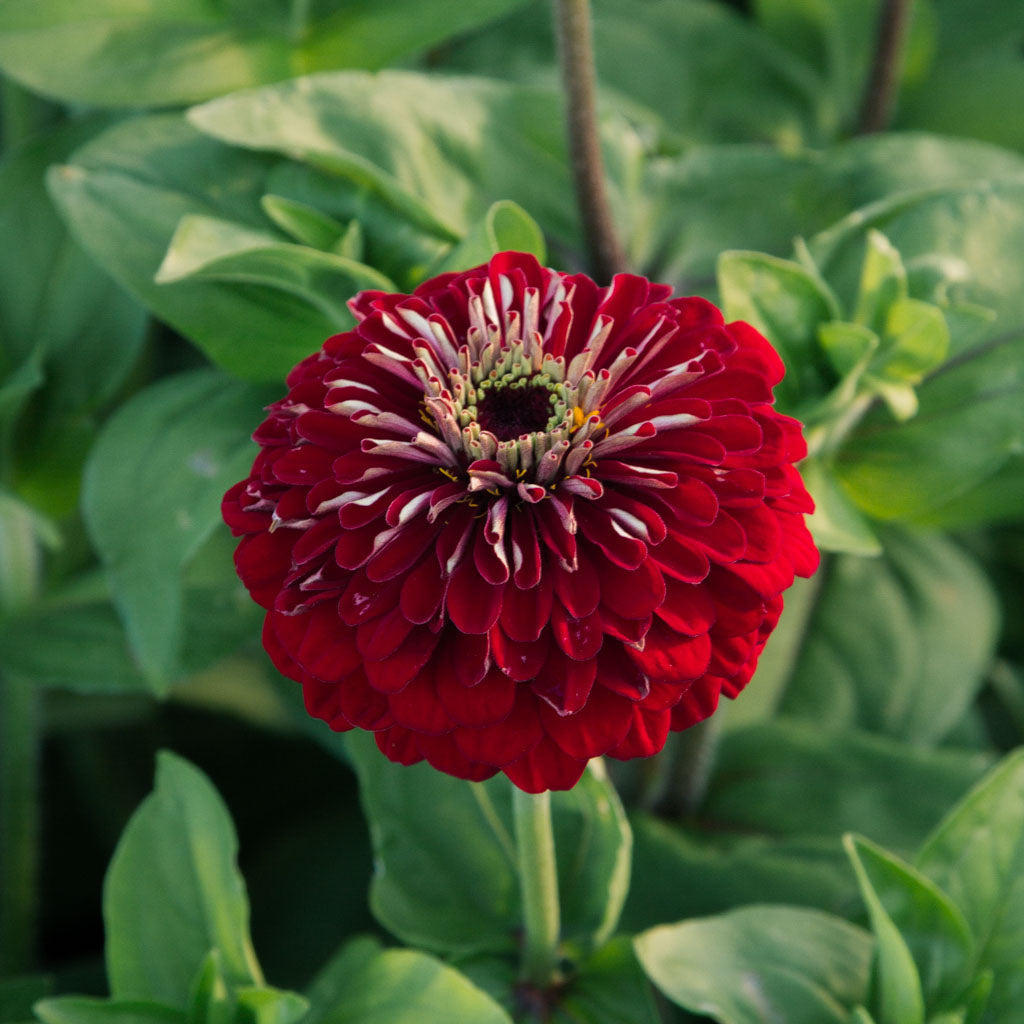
(910,662)
(931,929)
(364,984)
(883,282)
(786,303)
(124,195)
(170,52)
(173,892)
(761,963)
(900,999)
(976,856)
(456,889)
(836,524)
(916,340)
(848,346)
(215,1000)
(211,249)
(459,144)
(788,778)
(19,993)
(505,227)
(306,224)
(85,1010)
(609,988)
(152,495)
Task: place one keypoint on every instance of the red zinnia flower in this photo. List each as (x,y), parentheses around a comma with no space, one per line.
(514,521)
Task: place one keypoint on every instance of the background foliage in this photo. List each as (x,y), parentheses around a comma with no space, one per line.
(190,191)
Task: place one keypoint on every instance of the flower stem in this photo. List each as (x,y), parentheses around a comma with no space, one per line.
(880,93)
(576,55)
(688,760)
(19,823)
(538,882)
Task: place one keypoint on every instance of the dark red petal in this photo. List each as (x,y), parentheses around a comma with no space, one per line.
(363,600)
(579,591)
(618,672)
(525,613)
(599,725)
(697,703)
(444,754)
(647,734)
(418,707)
(487,562)
(362,705)
(262,562)
(563,683)
(422,591)
(508,739)
(473,604)
(399,744)
(546,766)
(633,594)
(681,558)
(519,661)
(668,656)
(318,642)
(524,549)
(484,704)
(629,631)
(400,553)
(392,673)
(597,526)
(381,637)
(687,608)
(581,639)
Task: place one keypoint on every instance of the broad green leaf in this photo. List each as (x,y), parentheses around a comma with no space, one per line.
(694,206)
(760,963)
(786,303)
(168,52)
(86,1010)
(836,524)
(306,224)
(713,871)
(365,984)
(976,856)
(793,779)
(931,928)
(23,535)
(861,1016)
(609,988)
(124,194)
(910,661)
(456,889)
(152,495)
(439,150)
(215,1000)
(848,346)
(19,994)
(505,227)
(173,892)
(211,249)
(916,341)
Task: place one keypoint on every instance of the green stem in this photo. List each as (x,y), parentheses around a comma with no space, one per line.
(689,758)
(19,823)
(880,92)
(538,882)
(576,55)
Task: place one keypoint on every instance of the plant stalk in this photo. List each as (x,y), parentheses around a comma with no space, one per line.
(538,882)
(576,56)
(880,93)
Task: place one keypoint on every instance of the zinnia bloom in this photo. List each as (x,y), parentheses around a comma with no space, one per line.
(514,521)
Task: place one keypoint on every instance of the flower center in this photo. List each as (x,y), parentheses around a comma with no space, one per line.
(510,410)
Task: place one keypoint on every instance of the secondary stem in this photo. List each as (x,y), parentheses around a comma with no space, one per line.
(538,881)
(576,55)
(876,108)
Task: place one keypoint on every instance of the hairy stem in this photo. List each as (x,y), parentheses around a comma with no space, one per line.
(538,881)
(576,55)
(880,93)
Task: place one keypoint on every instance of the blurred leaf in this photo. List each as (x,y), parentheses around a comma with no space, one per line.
(911,660)
(706,71)
(786,303)
(152,497)
(438,150)
(609,988)
(86,1010)
(215,1000)
(306,224)
(761,963)
(931,928)
(836,524)
(364,984)
(211,249)
(124,195)
(692,207)
(976,856)
(23,535)
(883,282)
(790,779)
(505,227)
(456,889)
(170,52)
(19,993)
(173,892)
